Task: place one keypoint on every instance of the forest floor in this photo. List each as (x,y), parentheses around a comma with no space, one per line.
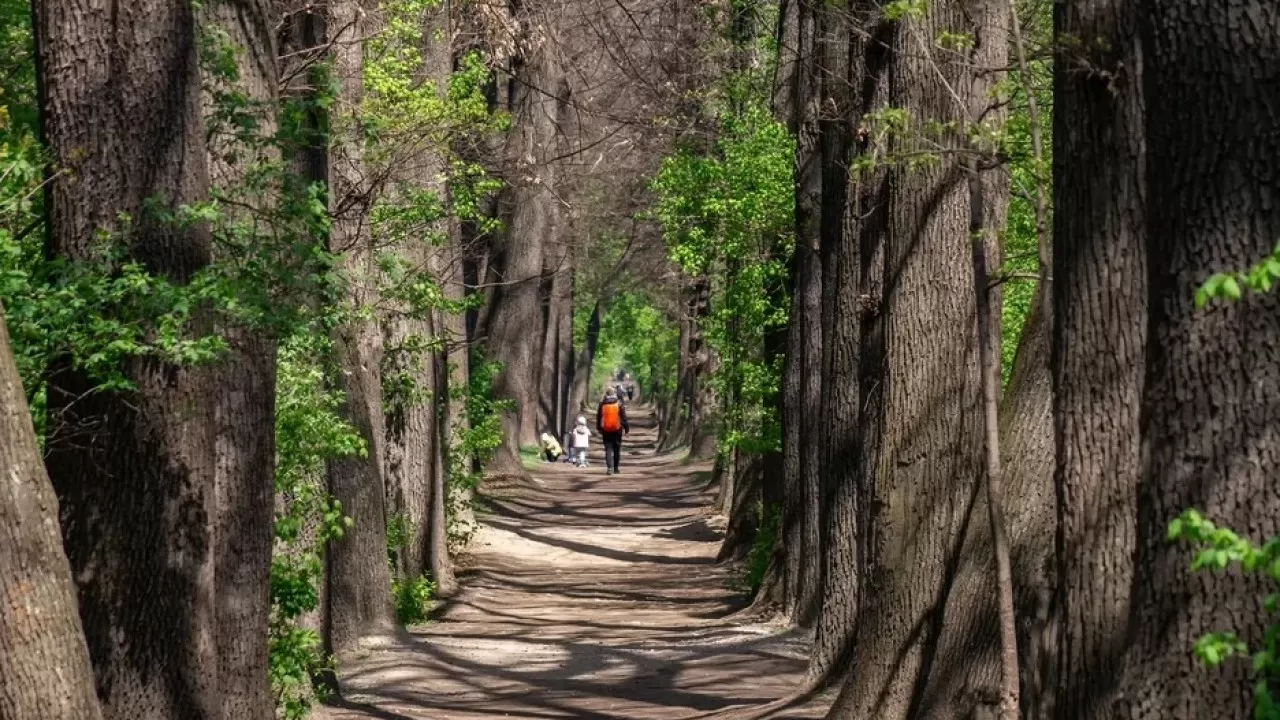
(594,596)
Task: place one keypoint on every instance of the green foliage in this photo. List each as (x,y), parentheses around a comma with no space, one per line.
(309,433)
(477,434)
(1020,246)
(413,599)
(638,338)
(1218,549)
(732,210)
(1260,278)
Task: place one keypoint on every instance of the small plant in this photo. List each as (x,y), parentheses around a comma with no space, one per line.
(399,534)
(413,599)
(1220,548)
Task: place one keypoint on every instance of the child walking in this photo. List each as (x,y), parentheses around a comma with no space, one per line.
(581,441)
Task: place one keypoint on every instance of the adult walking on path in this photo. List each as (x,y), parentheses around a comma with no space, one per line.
(611,423)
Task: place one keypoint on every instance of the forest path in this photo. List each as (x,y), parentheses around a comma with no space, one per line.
(596,597)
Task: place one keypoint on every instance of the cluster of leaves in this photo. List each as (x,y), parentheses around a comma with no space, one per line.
(639,338)
(1219,549)
(730,210)
(309,433)
(477,434)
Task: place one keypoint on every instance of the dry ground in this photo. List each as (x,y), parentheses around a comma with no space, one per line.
(595,597)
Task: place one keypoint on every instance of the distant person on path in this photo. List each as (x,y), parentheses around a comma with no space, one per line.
(611,423)
(631,392)
(581,441)
(550,448)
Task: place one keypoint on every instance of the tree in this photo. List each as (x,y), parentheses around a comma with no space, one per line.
(928,454)
(1098,346)
(43,657)
(529,208)
(133,468)
(358,582)
(802,381)
(1208,438)
(245,406)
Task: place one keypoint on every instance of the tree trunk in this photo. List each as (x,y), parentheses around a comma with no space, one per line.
(852,357)
(702,430)
(580,400)
(742,499)
(1209,429)
(930,445)
(804,327)
(43,657)
(134,470)
(245,405)
(359,584)
(513,339)
(557,325)
(965,675)
(1099,331)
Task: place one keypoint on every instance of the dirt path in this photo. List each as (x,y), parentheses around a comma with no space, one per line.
(596,599)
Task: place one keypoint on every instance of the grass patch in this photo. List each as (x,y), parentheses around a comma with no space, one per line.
(531,457)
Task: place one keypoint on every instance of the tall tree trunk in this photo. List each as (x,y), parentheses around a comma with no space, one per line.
(559,319)
(417,437)
(245,409)
(1099,341)
(1209,428)
(43,657)
(804,328)
(580,396)
(930,446)
(531,208)
(672,427)
(702,421)
(134,470)
(852,358)
(359,582)
(965,675)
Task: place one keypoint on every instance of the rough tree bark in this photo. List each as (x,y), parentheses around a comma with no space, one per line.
(417,439)
(929,461)
(852,362)
(1210,429)
(579,399)
(557,329)
(245,410)
(43,657)
(702,420)
(358,602)
(801,381)
(134,470)
(1098,346)
(965,675)
(529,208)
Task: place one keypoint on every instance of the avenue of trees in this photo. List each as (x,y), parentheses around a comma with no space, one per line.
(968,302)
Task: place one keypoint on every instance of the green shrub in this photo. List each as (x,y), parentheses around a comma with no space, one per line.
(413,599)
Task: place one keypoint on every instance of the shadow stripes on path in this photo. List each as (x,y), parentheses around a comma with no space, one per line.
(595,597)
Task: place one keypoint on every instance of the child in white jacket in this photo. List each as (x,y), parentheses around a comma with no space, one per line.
(581,441)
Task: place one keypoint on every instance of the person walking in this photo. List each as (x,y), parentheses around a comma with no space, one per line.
(581,441)
(611,423)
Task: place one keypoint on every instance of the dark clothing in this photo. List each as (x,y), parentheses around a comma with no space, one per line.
(612,450)
(612,440)
(622,415)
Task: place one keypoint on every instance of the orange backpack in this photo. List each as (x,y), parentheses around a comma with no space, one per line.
(610,417)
